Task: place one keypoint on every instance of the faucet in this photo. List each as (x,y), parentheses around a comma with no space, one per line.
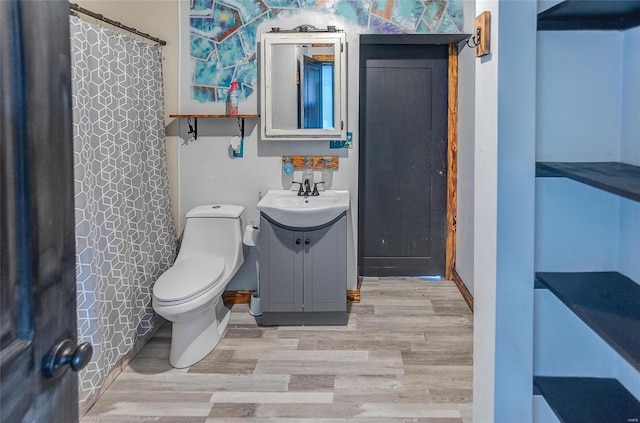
(300,189)
(307,187)
(315,188)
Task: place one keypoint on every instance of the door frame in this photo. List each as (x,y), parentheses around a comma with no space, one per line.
(452,40)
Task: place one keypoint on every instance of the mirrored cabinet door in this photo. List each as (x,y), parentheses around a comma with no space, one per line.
(303,86)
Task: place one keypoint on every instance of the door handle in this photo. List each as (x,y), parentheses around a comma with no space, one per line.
(64,355)
(298,241)
(307,241)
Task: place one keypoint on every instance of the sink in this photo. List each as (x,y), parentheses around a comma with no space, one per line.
(287,208)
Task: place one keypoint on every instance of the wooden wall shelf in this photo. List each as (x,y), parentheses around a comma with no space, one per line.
(214,116)
(590,15)
(587,399)
(617,178)
(193,129)
(607,302)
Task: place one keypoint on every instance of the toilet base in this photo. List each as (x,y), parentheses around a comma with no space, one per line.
(192,340)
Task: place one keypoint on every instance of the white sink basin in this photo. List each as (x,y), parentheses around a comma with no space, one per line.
(288,209)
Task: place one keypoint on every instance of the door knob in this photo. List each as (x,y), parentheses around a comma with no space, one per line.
(298,241)
(64,355)
(307,241)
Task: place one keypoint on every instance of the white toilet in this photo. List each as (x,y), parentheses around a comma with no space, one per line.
(189,294)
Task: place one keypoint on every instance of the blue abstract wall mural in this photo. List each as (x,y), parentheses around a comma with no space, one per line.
(223,33)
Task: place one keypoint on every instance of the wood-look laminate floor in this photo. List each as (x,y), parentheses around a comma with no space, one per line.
(405,356)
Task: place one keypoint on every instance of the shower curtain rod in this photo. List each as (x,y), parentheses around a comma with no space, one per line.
(75,8)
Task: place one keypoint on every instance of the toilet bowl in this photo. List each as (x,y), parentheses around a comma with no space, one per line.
(189,294)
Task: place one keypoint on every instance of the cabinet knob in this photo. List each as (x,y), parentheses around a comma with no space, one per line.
(298,241)
(307,241)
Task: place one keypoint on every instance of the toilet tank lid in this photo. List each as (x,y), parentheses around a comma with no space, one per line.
(216,210)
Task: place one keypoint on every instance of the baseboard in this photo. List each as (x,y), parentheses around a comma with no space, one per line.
(468,298)
(353,296)
(244,297)
(237,297)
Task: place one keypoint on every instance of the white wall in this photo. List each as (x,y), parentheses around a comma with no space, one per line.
(466,148)
(630,153)
(564,345)
(485,223)
(579,106)
(577,227)
(516,210)
(630,147)
(629,247)
(504,215)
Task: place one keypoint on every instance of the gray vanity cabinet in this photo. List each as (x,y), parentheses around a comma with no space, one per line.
(303,273)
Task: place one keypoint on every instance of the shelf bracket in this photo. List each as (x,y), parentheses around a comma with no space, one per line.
(193,129)
(241,127)
(240,151)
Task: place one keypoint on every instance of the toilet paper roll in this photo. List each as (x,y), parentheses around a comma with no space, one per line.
(251,233)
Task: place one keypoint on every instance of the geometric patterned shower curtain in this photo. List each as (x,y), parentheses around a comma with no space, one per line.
(125,237)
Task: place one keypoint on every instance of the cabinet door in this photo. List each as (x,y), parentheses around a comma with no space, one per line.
(280,268)
(325,268)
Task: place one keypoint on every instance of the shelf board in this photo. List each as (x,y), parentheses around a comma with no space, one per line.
(434,39)
(215,116)
(618,178)
(590,15)
(587,399)
(608,302)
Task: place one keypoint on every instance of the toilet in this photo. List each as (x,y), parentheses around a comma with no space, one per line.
(189,294)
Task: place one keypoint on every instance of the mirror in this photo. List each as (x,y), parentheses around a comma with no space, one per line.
(303,86)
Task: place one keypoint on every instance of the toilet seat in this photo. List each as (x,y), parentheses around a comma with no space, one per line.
(188,278)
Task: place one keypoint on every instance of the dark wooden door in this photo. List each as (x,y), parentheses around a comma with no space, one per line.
(403,159)
(37,285)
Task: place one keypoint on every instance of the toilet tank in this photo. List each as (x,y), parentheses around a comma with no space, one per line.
(214,230)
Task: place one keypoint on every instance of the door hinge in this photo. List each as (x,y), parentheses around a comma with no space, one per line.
(341,125)
(341,47)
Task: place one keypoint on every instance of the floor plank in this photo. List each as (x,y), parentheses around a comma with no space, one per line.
(404,356)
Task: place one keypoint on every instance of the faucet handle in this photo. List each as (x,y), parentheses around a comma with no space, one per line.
(300,190)
(315,188)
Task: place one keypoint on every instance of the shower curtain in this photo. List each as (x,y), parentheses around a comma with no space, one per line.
(125,236)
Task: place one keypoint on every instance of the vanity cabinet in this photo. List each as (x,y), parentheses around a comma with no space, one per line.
(303,273)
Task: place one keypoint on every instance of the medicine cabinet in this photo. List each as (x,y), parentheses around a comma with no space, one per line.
(303,85)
